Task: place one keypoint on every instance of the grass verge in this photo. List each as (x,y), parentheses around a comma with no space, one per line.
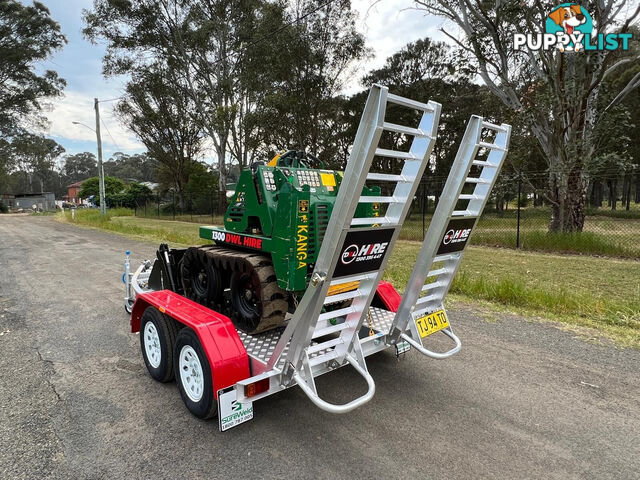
(598,293)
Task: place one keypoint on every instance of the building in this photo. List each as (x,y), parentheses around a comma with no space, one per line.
(42,202)
(7,200)
(72,193)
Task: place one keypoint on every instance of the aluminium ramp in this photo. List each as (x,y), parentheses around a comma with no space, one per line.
(448,235)
(354,250)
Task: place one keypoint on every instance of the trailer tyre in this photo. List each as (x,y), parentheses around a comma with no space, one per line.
(157,338)
(193,375)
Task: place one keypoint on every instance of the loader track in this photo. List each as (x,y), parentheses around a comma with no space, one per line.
(243,285)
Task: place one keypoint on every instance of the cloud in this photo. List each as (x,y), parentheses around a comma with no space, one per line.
(388,25)
(78,107)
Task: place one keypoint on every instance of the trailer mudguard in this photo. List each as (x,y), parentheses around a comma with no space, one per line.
(226,353)
(389,296)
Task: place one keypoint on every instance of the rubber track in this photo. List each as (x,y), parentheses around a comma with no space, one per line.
(274,299)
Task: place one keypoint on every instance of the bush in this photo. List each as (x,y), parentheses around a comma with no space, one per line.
(3,208)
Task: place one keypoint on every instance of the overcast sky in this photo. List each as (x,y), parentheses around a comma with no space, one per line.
(387,24)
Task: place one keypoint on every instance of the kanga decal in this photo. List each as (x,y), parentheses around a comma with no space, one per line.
(363,251)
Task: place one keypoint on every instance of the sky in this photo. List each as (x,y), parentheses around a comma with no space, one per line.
(388,25)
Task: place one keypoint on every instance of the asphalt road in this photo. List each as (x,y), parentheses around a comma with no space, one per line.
(521,400)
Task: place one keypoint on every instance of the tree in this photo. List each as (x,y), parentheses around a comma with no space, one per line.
(315,56)
(159,116)
(139,167)
(228,57)
(27,35)
(35,155)
(79,166)
(554,92)
(133,196)
(91,187)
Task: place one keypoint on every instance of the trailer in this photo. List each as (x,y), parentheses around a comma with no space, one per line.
(346,312)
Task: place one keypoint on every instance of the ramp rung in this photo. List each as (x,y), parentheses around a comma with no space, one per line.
(341,312)
(374,199)
(318,347)
(490,146)
(325,357)
(354,278)
(385,177)
(433,286)
(481,163)
(383,152)
(341,297)
(424,300)
(372,221)
(439,271)
(393,127)
(481,181)
(493,126)
(470,197)
(422,311)
(463,213)
(321,332)
(444,258)
(406,102)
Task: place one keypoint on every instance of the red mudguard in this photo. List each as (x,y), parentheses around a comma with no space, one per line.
(226,353)
(389,296)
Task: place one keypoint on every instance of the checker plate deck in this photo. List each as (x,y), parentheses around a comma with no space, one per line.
(262,346)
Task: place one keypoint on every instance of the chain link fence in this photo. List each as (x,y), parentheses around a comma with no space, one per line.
(516,216)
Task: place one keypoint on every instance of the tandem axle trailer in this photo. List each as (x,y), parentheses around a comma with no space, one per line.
(221,370)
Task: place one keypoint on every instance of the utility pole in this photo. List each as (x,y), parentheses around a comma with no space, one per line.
(103,206)
(519,202)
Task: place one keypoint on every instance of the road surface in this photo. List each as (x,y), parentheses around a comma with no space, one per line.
(521,400)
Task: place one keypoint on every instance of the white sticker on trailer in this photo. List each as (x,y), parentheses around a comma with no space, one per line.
(232,413)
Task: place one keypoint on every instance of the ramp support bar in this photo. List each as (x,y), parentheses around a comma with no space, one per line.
(347,407)
(429,353)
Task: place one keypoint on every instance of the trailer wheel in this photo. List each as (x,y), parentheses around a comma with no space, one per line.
(157,337)
(193,375)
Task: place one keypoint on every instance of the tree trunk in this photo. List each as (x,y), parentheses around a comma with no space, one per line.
(568,207)
(613,193)
(628,195)
(637,200)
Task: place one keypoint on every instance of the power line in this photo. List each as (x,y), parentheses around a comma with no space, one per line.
(111,136)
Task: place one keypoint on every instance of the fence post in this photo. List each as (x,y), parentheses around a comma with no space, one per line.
(519,206)
(174,205)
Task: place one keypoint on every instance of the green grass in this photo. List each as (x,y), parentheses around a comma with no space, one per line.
(577,290)
(599,293)
(603,234)
(120,220)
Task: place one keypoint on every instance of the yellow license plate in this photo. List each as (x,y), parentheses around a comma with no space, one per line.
(432,323)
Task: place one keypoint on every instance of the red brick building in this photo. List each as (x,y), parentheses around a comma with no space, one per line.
(72,193)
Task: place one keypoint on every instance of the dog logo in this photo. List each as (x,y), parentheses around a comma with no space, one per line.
(569,28)
(570,22)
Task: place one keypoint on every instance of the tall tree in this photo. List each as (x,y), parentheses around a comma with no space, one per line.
(554,92)
(159,116)
(28,34)
(228,57)
(36,155)
(199,43)
(317,56)
(139,167)
(79,166)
